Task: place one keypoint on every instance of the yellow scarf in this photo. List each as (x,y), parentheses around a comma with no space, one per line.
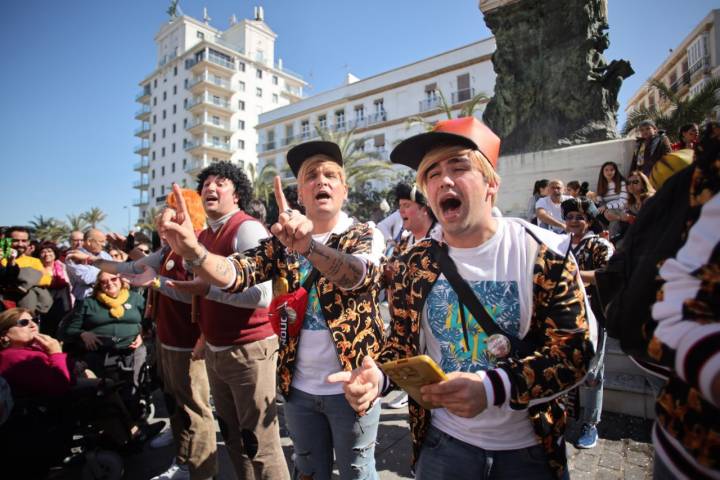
(117,310)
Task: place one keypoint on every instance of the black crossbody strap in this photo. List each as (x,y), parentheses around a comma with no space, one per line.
(310,279)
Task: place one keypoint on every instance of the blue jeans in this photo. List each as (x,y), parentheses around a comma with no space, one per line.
(319,424)
(591,391)
(443,456)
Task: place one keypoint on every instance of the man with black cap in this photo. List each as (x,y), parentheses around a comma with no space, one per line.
(336,261)
(591,252)
(498,305)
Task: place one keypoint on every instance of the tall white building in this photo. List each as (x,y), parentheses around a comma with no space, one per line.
(687,68)
(378,108)
(201,103)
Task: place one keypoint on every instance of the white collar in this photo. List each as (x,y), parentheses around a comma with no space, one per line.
(216,224)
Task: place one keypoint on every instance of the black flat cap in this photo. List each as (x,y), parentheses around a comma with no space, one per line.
(299,153)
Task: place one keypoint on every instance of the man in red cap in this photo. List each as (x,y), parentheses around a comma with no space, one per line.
(498,305)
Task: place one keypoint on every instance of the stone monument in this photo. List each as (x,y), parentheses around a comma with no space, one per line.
(554,87)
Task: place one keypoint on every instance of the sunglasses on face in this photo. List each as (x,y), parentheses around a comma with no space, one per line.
(579,218)
(146,251)
(24,322)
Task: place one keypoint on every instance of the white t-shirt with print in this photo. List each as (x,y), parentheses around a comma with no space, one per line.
(317,356)
(501,277)
(552,209)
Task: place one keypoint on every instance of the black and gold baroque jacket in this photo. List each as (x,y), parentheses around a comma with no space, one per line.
(353,317)
(558,329)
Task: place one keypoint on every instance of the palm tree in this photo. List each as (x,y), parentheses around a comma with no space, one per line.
(263,181)
(682,111)
(50,228)
(468,110)
(147,223)
(94,216)
(76,222)
(361,167)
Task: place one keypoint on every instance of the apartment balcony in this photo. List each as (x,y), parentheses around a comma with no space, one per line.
(680,82)
(267,146)
(142,166)
(289,140)
(140,202)
(212,104)
(213,63)
(462,95)
(429,104)
(199,148)
(143,96)
(142,184)
(211,83)
(143,149)
(198,125)
(702,65)
(196,165)
(292,92)
(143,114)
(143,131)
(377,117)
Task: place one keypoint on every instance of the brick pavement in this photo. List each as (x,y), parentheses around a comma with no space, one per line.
(624,451)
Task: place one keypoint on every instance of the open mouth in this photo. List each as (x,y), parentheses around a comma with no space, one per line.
(211,198)
(450,206)
(322,196)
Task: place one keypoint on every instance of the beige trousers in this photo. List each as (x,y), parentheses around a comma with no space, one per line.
(242,382)
(192,423)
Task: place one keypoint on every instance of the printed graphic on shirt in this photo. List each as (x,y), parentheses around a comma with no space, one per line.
(314,319)
(502,302)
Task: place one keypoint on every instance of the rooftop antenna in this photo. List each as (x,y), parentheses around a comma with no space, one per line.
(259,14)
(233,19)
(206,17)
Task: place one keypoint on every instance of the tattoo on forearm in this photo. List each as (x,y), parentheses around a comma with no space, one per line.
(342,269)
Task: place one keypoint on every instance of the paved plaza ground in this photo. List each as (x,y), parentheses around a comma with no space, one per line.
(624,451)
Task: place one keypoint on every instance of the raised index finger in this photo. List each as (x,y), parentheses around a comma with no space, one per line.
(182,211)
(280,199)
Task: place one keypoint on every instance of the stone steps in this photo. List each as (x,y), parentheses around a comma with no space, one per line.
(628,389)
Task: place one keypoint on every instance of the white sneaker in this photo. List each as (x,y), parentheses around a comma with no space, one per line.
(175,472)
(399,402)
(163,440)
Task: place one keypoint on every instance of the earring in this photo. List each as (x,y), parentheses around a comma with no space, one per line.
(4,342)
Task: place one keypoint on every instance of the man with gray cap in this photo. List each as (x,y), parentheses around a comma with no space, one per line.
(651,146)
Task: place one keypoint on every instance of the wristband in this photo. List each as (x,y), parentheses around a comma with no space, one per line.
(310,250)
(199,260)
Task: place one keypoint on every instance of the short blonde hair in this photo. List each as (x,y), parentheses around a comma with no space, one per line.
(441,153)
(313,161)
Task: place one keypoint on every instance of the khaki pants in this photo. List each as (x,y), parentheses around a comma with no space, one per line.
(192,423)
(242,381)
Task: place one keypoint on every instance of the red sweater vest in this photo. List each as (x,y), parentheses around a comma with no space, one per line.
(173,318)
(223,324)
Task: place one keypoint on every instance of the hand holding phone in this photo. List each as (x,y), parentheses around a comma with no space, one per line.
(411,374)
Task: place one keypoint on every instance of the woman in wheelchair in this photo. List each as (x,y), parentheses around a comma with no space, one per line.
(108,323)
(51,405)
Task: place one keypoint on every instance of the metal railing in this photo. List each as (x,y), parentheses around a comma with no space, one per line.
(462,95)
(143,146)
(429,104)
(209,100)
(699,65)
(141,184)
(142,164)
(141,95)
(142,129)
(216,145)
(208,123)
(144,110)
(208,78)
(139,202)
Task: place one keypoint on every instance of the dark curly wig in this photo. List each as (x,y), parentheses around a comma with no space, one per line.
(227,170)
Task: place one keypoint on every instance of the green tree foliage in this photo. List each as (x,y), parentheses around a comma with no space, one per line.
(682,111)
(467,110)
(49,228)
(94,216)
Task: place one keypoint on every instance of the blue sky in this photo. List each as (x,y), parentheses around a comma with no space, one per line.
(70,72)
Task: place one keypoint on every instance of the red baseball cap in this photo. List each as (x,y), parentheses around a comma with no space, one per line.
(466,132)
